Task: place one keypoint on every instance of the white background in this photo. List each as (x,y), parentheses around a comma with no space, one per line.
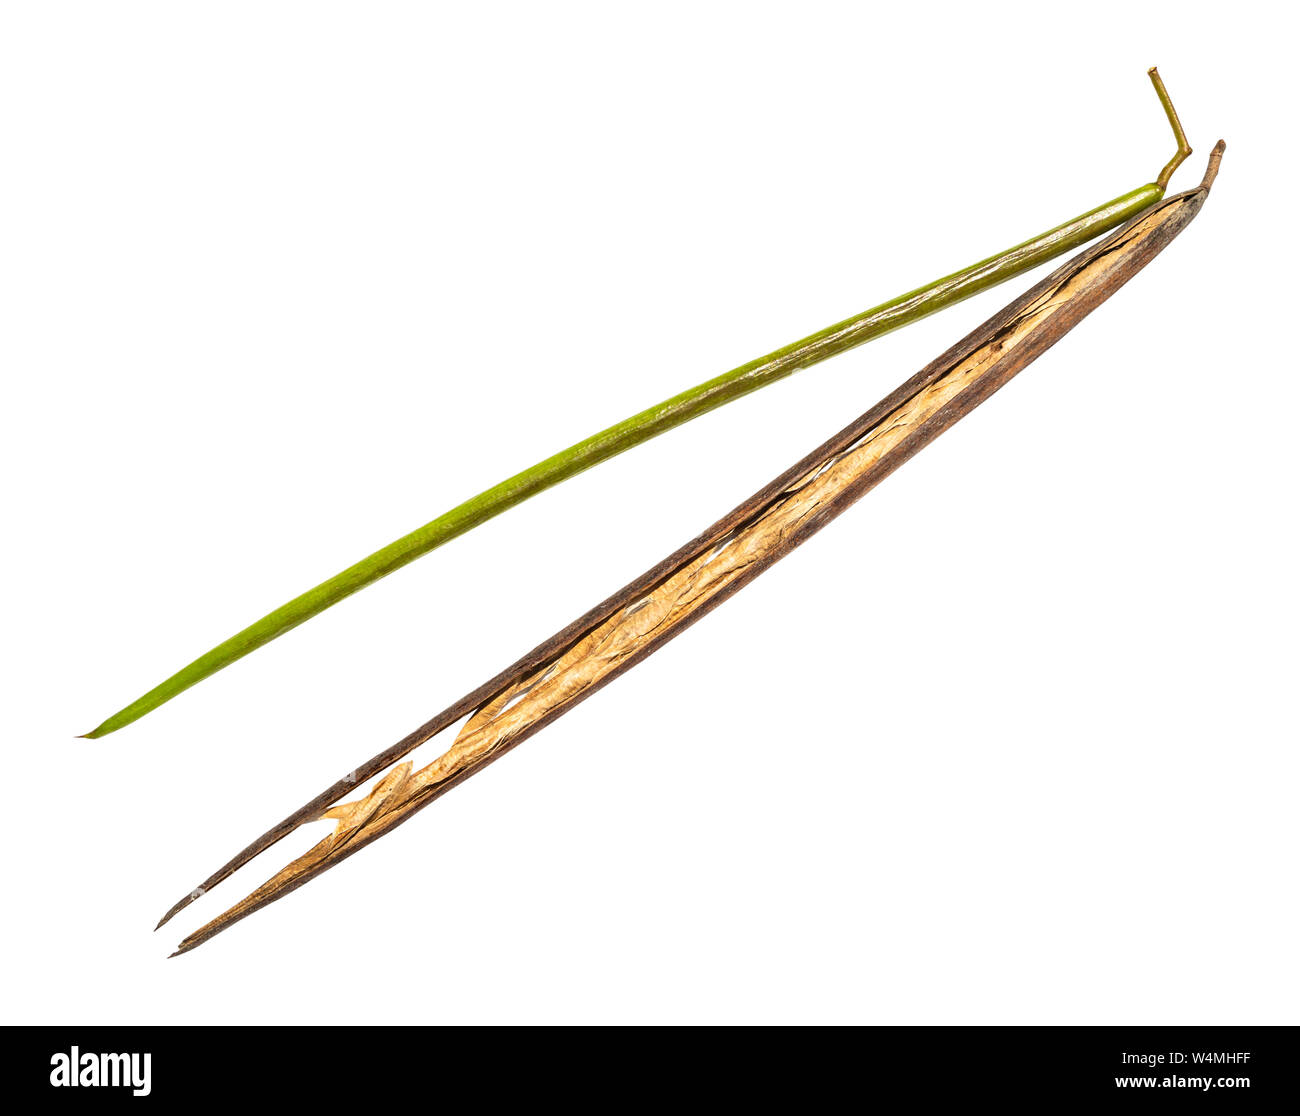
(1013,741)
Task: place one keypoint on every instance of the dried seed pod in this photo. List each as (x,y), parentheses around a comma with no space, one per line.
(638,620)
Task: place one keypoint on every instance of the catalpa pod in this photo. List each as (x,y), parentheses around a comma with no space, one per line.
(633,623)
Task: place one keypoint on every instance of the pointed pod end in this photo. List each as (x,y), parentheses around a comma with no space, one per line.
(186,945)
(180,905)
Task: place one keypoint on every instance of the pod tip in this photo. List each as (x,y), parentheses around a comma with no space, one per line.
(178,907)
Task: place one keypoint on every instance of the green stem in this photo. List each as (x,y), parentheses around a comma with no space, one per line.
(648,424)
(1171,114)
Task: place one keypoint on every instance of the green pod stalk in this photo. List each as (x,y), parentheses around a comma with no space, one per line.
(870,324)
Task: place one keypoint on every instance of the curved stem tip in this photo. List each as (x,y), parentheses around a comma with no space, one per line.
(1184,148)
